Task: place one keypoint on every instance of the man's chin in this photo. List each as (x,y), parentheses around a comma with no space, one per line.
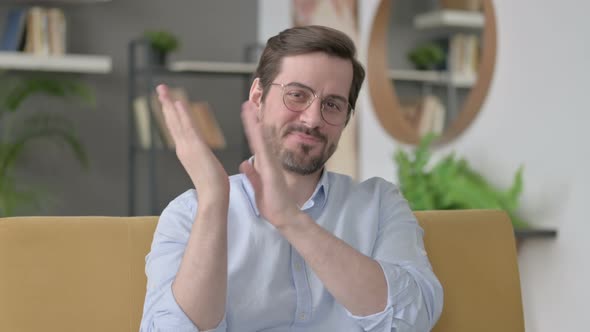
(304,154)
(301,163)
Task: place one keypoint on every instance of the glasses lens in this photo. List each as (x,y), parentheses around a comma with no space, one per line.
(335,111)
(297,98)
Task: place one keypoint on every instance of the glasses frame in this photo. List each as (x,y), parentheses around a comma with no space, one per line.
(315,96)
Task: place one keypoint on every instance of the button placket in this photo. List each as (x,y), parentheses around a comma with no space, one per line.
(302,288)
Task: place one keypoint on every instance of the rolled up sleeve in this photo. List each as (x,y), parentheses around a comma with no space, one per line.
(414,294)
(161,312)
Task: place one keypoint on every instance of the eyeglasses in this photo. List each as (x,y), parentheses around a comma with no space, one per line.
(298,98)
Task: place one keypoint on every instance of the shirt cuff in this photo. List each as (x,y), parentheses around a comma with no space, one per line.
(173,319)
(401,291)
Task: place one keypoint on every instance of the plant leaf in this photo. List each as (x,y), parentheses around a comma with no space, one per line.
(24,88)
(452,184)
(42,126)
(13,200)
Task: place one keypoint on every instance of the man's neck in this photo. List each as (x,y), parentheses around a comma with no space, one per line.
(301,187)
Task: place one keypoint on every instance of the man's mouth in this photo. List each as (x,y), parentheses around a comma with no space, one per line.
(306,135)
(306,138)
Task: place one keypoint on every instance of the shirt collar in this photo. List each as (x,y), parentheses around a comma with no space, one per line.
(319,196)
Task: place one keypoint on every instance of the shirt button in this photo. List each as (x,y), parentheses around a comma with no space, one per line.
(302,316)
(298,268)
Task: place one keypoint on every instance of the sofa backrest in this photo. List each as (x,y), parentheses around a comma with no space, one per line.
(87,273)
(73,273)
(473,254)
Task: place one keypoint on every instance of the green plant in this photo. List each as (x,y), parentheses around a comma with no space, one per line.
(427,56)
(19,131)
(451,184)
(162,41)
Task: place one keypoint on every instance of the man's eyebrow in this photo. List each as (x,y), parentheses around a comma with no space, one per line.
(334,96)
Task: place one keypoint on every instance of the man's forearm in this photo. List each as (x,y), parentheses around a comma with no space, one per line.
(355,280)
(200,286)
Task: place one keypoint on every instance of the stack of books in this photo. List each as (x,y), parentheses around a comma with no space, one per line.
(426,115)
(36,30)
(202,120)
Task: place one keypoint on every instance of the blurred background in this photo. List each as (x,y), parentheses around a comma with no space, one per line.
(467,104)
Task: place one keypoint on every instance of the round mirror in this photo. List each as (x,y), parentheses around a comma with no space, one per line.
(430,65)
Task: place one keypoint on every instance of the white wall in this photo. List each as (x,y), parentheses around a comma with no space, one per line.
(273,17)
(535,115)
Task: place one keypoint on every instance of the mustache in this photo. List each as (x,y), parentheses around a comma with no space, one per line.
(305,130)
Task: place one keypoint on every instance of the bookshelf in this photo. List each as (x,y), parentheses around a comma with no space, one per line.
(548,233)
(68,63)
(204,67)
(432,77)
(53,2)
(409,102)
(449,18)
(142,80)
(34,38)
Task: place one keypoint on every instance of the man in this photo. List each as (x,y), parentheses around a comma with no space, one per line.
(287,245)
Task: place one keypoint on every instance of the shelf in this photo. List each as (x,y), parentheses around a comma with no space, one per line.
(213,67)
(71,63)
(431,76)
(142,76)
(535,233)
(53,2)
(449,18)
(165,150)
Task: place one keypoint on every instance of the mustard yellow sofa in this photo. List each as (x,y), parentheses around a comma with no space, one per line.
(87,273)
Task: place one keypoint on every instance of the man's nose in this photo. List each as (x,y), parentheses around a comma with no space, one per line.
(312,116)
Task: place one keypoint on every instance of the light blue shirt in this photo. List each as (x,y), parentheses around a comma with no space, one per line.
(271,288)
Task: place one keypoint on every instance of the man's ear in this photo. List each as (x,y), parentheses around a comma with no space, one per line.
(256,92)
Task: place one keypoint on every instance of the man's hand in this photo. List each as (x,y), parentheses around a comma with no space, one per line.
(272,196)
(204,169)
(200,286)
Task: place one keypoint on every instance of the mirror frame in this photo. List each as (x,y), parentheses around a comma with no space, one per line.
(382,92)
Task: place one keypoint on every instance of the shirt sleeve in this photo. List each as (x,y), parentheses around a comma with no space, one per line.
(161,312)
(414,294)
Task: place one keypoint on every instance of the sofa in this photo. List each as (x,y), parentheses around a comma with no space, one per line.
(87,273)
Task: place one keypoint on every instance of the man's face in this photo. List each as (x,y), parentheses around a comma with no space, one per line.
(303,141)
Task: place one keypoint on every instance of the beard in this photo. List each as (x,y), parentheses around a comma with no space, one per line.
(299,160)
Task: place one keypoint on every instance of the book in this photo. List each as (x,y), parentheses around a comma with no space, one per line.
(463,58)
(13,36)
(56,31)
(165,135)
(426,115)
(204,122)
(200,114)
(431,116)
(36,38)
(45,31)
(461,55)
(142,124)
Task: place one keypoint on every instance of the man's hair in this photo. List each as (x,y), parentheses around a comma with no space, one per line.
(304,40)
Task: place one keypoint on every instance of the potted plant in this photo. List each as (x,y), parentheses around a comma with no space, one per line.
(17,133)
(428,56)
(161,44)
(452,184)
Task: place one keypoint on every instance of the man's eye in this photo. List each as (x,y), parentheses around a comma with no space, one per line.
(332,106)
(297,95)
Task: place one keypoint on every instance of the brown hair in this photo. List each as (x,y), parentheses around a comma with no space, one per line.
(304,40)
